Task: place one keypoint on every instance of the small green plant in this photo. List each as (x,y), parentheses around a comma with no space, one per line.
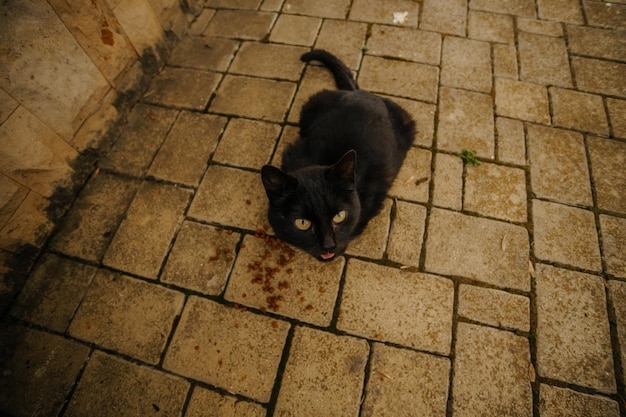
(469,157)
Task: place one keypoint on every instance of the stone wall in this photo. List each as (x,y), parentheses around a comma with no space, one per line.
(67,69)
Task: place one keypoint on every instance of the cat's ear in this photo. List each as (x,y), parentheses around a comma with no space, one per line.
(344,168)
(279,186)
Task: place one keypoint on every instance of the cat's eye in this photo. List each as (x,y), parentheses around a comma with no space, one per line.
(302,224)
(339,217)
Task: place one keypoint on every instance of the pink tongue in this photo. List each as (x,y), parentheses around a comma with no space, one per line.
(327,255)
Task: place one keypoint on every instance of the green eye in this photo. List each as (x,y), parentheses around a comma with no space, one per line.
(339,217)
(302,224)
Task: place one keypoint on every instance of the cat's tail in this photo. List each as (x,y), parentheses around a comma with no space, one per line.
(343,75)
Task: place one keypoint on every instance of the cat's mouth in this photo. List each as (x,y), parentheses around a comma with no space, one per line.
(327,256)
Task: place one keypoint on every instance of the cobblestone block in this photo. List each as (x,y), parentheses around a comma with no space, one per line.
(315,79)
(247,143)
(412,180)
(608,157)
(269,60)
(516,8)
(496,191)
(155,214)
(182,87)
(323,376)
(580,111)
(290,135)
(240,24)
(511,143)
(465,122)
(344,39)
(466,63)
(204,53)
(472,247)
(599,43)
(230,197)
(298,285)
(490,27)
(491,373)
(566,235)
(127,315)
(505,61)
(558,165)
(110,384)
(522,100)
(573,338)
(403,383)
(201,258)
(332,9)
(617,295)
(407,233)
(613,231)
(380,303)
(495,308)
(447,16)
(540,27)
(555,402)
(604,14)
(405,43)
(183,156)
(448,181)
(221,405)
(617,114)
(544,60)
(295,30)
(424,116)
(201,21)
(38,371)
(377,12)
(560,10)
(372,243)
(231,349)
(597,76)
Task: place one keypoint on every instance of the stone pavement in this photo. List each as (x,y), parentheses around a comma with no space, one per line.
(496,289)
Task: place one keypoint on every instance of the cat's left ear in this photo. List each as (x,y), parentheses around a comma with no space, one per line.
(344,168)
(279,186)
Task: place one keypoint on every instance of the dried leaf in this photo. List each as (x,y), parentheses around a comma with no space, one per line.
(531,372)
(503,244)
(411,178)
(531,269)
(382,374)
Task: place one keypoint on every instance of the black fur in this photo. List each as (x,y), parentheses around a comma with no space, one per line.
(351,146)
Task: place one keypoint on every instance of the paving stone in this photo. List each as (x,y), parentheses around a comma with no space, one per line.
(204,53)
(127,315)
(247,143)
(573,338)
(466,63)
(315,79)
(323,376)
(53,292)
(472,247)
(491,373)
(38,371)
(411,309)
(114,387)
(289,135)
(555,402)
(511,144)
(505,61)
(90,224)
(609,15)
(399,78)
(235,350)
(295,30)
(617,294)
(255,98)
(234,4)
(424,116)
(446,16)
(201,258)
(345,39)
(182,87)
(466,122)
(201,21)
(146,129)
(496,191)
(376,12)
(558,165)
(517,8)
(580,111)
(495,308)
(240,24)
(29,226)
(269,60)
(405,43)
(332,9)
(154,215)
(230,197)
(372,243)
(412,180)
(608,157)
(490,27)
(599,43)
(560,10)
(617,114)
(566,235)
(405,383)
(221,405)
(614,244)
(522,100)
(407,233)
(13,194)
(540,27)
(298,286)
(544,60)
(448,181)
(184,155)
(598,76)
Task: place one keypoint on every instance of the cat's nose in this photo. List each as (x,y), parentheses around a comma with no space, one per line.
(329,244)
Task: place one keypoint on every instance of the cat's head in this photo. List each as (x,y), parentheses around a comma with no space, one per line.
(315,208)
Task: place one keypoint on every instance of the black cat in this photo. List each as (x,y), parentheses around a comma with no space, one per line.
(336,175)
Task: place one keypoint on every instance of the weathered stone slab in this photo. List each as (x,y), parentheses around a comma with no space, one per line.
(407,233)
(555,402)
(446,16)
(614,244)
(608,157)
(495,308)
(247,143)
(466,63)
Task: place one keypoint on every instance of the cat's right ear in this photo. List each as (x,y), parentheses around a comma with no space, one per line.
(279,186)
